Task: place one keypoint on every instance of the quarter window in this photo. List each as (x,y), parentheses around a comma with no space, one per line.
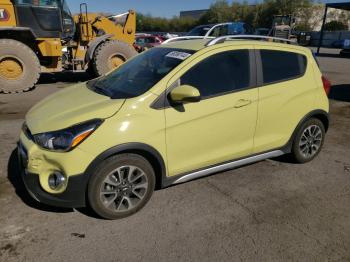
(280,66)
(219,74)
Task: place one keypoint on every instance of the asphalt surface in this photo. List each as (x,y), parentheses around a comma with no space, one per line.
(269,211)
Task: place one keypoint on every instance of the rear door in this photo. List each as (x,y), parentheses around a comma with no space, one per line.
(286,95)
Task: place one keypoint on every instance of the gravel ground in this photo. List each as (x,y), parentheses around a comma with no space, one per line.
(269,211)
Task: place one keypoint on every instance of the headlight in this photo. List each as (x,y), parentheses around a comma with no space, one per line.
(67,139)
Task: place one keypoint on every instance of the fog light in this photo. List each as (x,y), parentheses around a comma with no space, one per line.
(56,180)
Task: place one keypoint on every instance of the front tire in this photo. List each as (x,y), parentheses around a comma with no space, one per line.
(19,67)
(309,141)
(121,186)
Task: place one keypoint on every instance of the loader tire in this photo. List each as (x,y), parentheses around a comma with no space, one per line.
(91,71)
(110,55)
(19,67)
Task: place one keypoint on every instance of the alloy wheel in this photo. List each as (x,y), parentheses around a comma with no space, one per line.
(124,188)
(310,141)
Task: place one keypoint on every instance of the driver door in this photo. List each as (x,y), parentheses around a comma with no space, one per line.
(221,126)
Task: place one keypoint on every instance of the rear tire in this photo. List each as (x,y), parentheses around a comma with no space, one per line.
(309,141)
(19,67)
(110,55)
(121,186)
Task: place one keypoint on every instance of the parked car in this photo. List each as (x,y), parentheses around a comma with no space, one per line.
(110,142)
(161,37)
(144,42)
(338,43)
(216,30)
(346,48)
(169,35)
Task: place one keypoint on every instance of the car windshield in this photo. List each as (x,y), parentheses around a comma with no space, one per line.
(140,40)
(141,73)
(199,30)
(235,29)
(45,3)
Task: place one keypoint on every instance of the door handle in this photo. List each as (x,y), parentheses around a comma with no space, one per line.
(242,102)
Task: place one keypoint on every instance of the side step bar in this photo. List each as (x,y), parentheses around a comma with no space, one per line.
(227,166)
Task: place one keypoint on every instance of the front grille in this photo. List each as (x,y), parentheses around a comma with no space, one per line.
(282,34)
(27,132)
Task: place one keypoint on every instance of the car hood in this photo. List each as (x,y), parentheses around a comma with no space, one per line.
(70,106)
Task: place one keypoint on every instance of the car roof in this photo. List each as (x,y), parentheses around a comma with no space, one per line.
(188,44)
(199,44)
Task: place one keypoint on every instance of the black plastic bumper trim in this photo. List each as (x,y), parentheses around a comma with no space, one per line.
(72,197)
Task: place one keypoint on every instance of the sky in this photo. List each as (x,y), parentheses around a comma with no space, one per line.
(162,8)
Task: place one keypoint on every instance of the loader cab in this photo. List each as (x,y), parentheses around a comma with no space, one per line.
(46,18)
(283,20)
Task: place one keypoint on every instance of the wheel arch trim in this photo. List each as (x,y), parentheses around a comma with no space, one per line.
(93,45)
(137,148)
(315,113)
(318,113)
(18,29)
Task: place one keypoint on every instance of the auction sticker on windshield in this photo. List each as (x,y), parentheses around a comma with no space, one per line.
(178,55)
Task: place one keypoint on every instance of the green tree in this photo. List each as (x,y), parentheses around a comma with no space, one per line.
(219,12)
(259,15)
(335,26)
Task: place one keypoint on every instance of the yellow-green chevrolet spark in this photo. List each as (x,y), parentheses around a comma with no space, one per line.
(175,113)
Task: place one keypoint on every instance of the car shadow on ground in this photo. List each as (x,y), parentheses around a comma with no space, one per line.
(340,93)
(330,55)
(64,77)
(14,176)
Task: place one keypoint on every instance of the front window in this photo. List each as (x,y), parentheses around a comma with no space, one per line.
(220,74)
(138,75)
(66,9)
(43,3)
(68,22)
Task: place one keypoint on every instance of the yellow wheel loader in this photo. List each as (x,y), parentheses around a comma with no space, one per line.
(38,36)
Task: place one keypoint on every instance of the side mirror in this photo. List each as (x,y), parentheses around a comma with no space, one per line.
(185,93)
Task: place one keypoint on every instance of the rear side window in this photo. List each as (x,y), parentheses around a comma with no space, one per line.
(280,66)
(219,74)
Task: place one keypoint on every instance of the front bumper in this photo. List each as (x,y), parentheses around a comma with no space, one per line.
(72,197)
(35,165)
(345,51)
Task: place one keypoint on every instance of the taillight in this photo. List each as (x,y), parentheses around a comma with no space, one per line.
(326,85)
